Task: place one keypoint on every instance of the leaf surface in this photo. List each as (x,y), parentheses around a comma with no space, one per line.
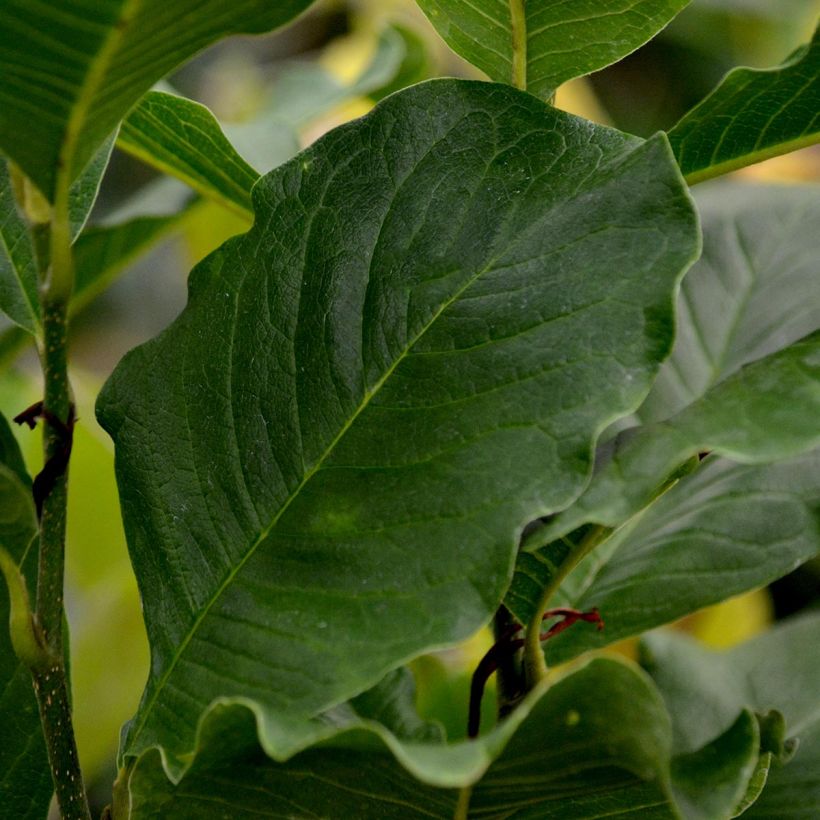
(752,115)
(71,72)
(745,418)
(753,291)
(25,777)
(183,138)
(563,40)
(724,530)
(779,671)
(608,752)
(325,463)
(19,299)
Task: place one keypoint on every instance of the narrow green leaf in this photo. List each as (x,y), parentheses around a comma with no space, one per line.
(377,387)
(710,782)
(608,752)
(766,411)
(19,298)
(753,291)
(777,670)
(721,531)
(83,192)
(72,71)
(182,138)
(25,777)
(553,41)
(752,115)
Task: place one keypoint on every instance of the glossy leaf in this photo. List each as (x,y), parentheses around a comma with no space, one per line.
(563,40)
(71,72)
(776,671)
(437,281)
(753,291)
(183,138)
(608,752)
(752,115)
(25,777)
(723,530)
(83,192)
(744,418)
(19,298)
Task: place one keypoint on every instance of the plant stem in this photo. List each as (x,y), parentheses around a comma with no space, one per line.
(509,683)
(535,666)
(519,44)
(463,804)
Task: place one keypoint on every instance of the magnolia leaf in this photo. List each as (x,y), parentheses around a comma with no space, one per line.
(25,777)
(766,411)
(183,138)
(19,298)
(325,463)
(724,530)
(539,44)
(58,104)
(83,192)
(752,115)
(753,291)
(704,689)
(608,752)
(709,783)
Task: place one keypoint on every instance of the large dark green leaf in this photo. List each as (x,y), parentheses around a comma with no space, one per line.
(326,462)
(72,70)
(753,291)
(183,138)
(723,530)
(19,299)
(766,411)
(778,670)
(607,753)
(752,115)
(25,777)
(556,41)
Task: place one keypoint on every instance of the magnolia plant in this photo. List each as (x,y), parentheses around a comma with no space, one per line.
(473,361)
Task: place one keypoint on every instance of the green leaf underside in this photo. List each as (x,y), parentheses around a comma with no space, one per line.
(753,291)
(608,752)
(563,40)
(765,412)
(325,463)
(83,191)
(72,71)
(779,670)
(721,531)
(25,777)
(182,138)
(19,299)
(752,115)
(709,783)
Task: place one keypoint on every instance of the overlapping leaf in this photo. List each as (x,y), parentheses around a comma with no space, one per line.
(752,115)
(608,752)
(72,71)
(776,671)
(556,41)
(25,777)
(183,138)
(326,461)
(723,530)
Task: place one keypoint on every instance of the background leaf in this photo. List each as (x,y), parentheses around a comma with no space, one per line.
(563,40)
(25,777)
(370,306)
(704,690)
(182,138)
(608,752)
(752,115)
(19,298)
(723,530)
(60,99)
